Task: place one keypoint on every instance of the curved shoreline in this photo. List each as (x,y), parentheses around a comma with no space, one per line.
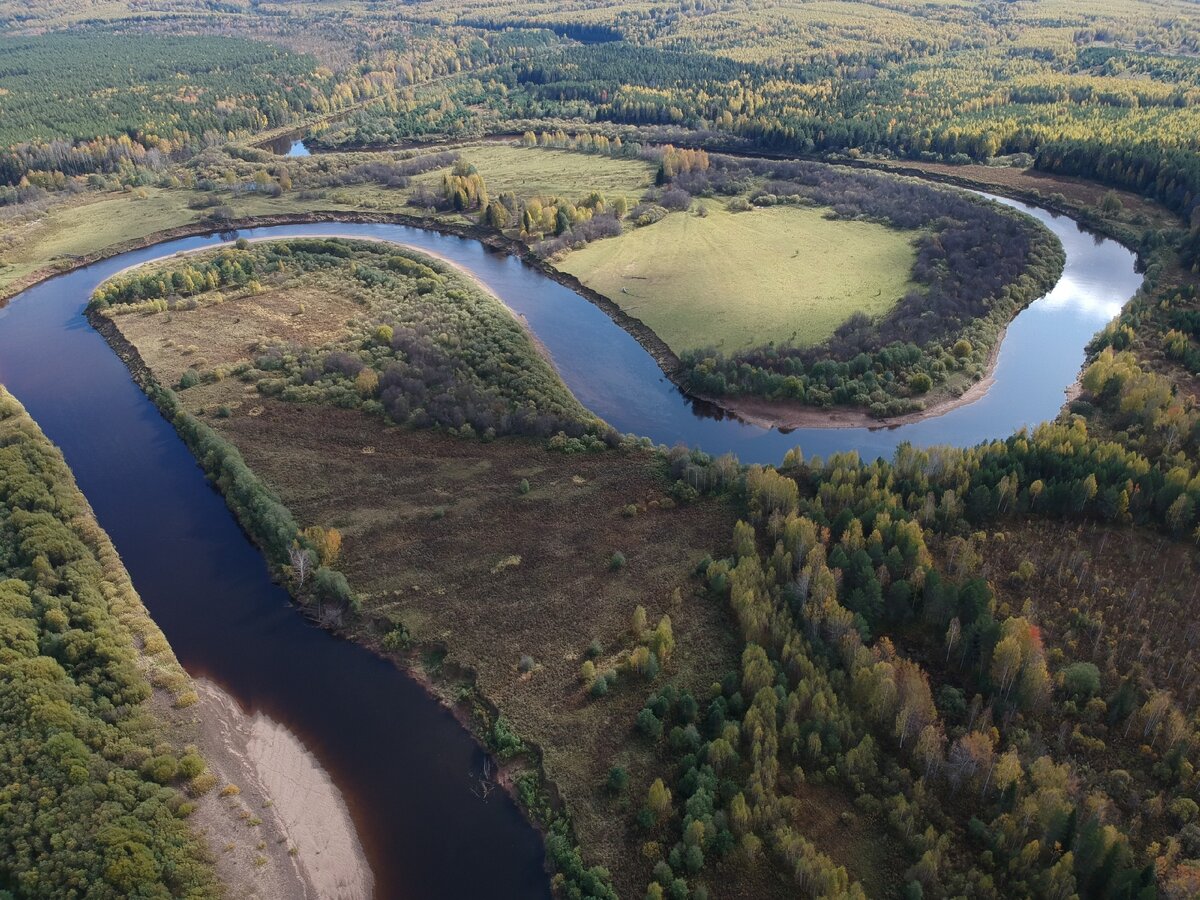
(764,413)
(315,847)
(458,268)
(755,411)
(201,228)
(230,718)
(785,416)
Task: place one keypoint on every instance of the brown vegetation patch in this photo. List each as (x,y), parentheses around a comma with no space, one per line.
(1118,597)
(223,334)
(439,537)
(827,817)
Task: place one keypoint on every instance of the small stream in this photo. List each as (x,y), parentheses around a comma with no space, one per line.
(408,771)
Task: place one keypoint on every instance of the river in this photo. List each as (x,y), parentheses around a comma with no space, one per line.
(408,771)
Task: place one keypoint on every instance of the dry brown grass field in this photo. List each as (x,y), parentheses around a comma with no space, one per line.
(434,527)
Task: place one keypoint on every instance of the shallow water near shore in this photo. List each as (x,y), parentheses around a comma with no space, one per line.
(405,767)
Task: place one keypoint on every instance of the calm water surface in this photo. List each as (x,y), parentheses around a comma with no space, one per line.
(288,145)
(407,769)
(405,766)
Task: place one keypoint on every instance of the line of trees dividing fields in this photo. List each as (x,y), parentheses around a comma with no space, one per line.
(94,800)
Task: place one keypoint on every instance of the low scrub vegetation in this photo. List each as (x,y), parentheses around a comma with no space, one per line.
(426,347)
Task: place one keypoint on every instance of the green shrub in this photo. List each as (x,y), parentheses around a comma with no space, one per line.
(1081,680)
(161,769)
(504,740)
(920,383)
(191,765)
(331,587)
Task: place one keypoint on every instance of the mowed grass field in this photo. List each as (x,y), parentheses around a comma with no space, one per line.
(86,226)
(541,172)
(736,280)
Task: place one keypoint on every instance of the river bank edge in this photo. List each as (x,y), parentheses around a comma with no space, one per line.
(304,817)
(231,812)
(472,709)
(752,410)
(438,688)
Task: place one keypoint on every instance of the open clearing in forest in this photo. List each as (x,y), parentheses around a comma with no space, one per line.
(543,172)
(735,280)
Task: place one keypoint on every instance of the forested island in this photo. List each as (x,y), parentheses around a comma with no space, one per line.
(958,670)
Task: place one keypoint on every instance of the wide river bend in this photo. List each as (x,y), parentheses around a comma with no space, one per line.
(408,771)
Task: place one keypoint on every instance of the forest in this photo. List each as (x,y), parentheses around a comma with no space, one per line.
(887,654)
(73,105)
(956,672)
(95,799)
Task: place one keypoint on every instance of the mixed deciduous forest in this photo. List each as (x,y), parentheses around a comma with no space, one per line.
(954,673)
(95,796)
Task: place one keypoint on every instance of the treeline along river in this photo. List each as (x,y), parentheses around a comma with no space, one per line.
(408,771)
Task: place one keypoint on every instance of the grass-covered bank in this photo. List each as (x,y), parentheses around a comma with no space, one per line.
(875,365)
(977,265)
(97,789)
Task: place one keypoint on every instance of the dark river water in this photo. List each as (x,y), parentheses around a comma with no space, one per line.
(405,767)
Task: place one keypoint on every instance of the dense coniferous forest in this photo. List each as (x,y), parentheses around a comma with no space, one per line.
(77,104)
